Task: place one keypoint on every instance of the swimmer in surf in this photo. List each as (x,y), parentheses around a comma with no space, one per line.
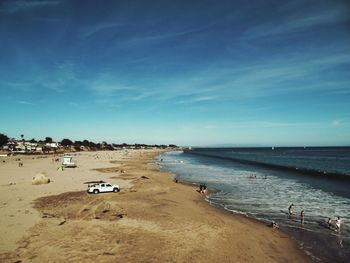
(290,209)
(302,216)
(337,224)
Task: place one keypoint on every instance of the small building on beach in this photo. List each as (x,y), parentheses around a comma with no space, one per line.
(68,161)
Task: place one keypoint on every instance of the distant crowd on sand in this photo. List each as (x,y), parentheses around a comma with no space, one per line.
(336,225)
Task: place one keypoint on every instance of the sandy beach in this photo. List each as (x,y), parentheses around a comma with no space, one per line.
(152,218)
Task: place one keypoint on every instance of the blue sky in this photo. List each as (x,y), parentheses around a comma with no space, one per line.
(183,72)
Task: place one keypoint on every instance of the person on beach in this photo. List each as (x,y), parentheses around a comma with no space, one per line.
(337,224)
(274,225)
(206,191)
(202,188)
(302,216)
(329,222)
(290,209)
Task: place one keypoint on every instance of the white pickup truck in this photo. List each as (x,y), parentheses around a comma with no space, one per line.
(102,187)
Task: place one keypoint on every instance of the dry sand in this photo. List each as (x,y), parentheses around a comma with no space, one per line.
(152,219)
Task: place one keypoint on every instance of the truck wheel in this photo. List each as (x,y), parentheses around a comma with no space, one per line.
(115,190)
(96,191)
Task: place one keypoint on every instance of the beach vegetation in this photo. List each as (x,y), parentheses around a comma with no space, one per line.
(66,142)
(77,143)
(48,140)
(86,143)
(3,139)
(46,149)
(77,148)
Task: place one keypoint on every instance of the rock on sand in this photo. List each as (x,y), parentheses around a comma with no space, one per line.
(40,179)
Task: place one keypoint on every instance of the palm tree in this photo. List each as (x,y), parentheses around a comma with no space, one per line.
(22,136)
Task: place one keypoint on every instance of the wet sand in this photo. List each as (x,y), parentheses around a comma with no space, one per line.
(152,219)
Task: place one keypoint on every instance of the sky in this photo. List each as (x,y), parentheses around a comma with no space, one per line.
(200,73)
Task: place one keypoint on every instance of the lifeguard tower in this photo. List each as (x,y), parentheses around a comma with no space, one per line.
(67,161)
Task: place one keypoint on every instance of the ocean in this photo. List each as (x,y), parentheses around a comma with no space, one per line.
(261,183)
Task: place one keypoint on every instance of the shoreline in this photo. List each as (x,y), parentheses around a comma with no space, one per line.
(149,220)
(242,216)
(312,235)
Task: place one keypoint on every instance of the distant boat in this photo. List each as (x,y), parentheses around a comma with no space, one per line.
(272,148)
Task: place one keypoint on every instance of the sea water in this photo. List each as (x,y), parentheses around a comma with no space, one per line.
(261,183)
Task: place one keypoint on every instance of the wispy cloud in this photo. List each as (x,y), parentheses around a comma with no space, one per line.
(287,74)
(90,31)
(283,75)
(304,20)
(12,7)
(105,85)
(25,102)
(337,123)
(154,33)
(59,79)
(261,124)
(20,86)
(195,98)
(108,89)
(165,35)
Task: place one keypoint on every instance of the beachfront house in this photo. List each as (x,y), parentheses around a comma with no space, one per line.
(9,146)
(21,146)
(54,145)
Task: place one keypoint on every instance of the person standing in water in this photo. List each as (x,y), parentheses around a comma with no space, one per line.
(337,224)
(290,209)
(302,214)
(329,223)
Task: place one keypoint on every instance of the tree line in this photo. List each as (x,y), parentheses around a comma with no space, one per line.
(85,143)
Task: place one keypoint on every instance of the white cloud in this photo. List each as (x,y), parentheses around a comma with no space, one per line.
(25,102)
(337,123)
(106,85)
